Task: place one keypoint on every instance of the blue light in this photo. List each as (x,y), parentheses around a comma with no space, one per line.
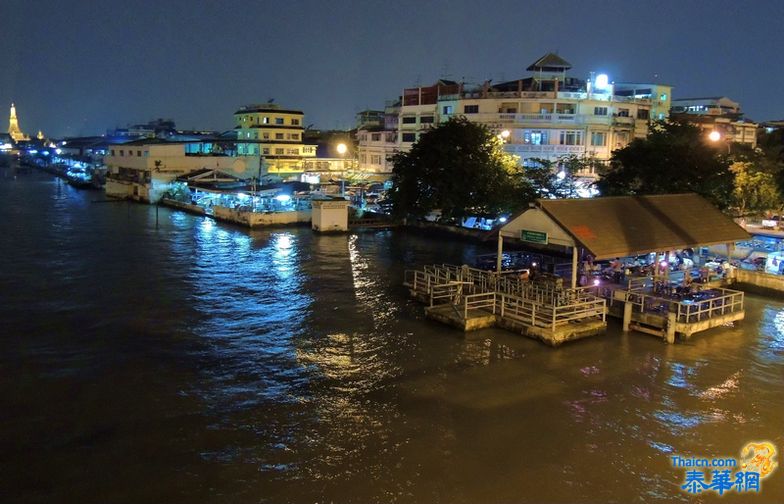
(58,151)
(283,198)
(242,196)
(502,219)
(33,151)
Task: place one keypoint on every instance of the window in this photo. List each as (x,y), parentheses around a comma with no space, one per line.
(265,150)
(376,137)
(293,152)
(447,109)
(265,136)
(598,138)
(409,120)
(138,153)
(278,136)
(571,137)
(663,97)
(278,120)
(426,119)
(643,114)
(600,111)
(375,159)
(363,158)
(122,152)
(623,112)
(295,136)
(280,151)
(265,120)
(113,152)
(409,137)
(471,109)
(535,137)
(295,122)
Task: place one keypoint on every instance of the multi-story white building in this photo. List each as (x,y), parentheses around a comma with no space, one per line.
(378,142)
(547,115)
(717,114)
(144,169)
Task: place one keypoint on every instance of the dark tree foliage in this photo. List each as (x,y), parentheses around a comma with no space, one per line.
(674,158)
(460,168)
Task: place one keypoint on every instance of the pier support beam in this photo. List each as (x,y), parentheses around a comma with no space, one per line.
(574,267)
(671,319)
(627,315)
(500,252)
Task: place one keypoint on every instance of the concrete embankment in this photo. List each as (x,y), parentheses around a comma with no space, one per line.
(759,282)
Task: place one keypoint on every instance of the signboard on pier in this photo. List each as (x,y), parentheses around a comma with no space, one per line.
(533,236)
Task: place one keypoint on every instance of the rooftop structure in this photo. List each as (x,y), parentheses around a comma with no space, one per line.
(13,127)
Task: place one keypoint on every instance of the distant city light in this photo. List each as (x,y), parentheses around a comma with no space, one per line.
(283,198)
(502,219)
(242,196)
(561,175)
(505,134)
(342,148)
(5,146)
(714,136)
(602,81)
(58,151)
(33,151)
(596,281)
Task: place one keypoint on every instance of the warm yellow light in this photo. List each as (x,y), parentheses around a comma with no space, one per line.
(714,136)
(505,134)
(342,148)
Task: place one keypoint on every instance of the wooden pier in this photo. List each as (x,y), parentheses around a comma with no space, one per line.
(472,299)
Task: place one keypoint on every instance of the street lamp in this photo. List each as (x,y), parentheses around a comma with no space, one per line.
(342,149)
(714,136)
(504,135)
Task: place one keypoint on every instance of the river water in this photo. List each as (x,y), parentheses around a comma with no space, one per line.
(200,362)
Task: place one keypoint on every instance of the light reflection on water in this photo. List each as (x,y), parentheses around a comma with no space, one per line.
(284,366)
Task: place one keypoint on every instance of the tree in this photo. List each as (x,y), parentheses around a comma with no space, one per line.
(674,158)
(560,178)
(754,190)
(460,168)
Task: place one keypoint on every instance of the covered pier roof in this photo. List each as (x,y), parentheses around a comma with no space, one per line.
(622,226)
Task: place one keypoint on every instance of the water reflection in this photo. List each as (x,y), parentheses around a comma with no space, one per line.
(280,365)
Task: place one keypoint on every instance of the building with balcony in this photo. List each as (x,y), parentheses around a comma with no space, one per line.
(548,114)
(276,135)
(376,144)
(717,114)
(144,169)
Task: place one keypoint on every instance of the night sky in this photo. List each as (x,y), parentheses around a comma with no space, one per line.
(80,67)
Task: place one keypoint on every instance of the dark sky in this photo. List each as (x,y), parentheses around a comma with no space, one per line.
(80,67)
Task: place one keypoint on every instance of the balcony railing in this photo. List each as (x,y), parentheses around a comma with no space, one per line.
(556,150)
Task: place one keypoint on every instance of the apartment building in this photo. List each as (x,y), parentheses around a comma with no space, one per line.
(547,114)
(275,134)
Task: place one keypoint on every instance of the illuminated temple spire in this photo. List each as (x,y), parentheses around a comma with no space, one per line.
(13,126)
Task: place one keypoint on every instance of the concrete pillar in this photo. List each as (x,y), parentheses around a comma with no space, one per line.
(500,252)
(627,315)
(671,319)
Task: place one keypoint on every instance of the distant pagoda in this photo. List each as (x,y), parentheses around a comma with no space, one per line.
(13,127)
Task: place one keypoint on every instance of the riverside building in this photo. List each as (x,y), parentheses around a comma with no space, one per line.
(144,169)
(548,114)
(719,117)
(276,135)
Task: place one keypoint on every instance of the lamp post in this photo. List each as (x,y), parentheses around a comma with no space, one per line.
(342,149)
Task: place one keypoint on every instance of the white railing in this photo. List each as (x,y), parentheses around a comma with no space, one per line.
(544,149)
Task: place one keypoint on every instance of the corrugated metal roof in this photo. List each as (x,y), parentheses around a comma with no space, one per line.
(630,225)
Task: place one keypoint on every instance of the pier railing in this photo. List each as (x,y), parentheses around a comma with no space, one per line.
(729,301)
(507,296)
